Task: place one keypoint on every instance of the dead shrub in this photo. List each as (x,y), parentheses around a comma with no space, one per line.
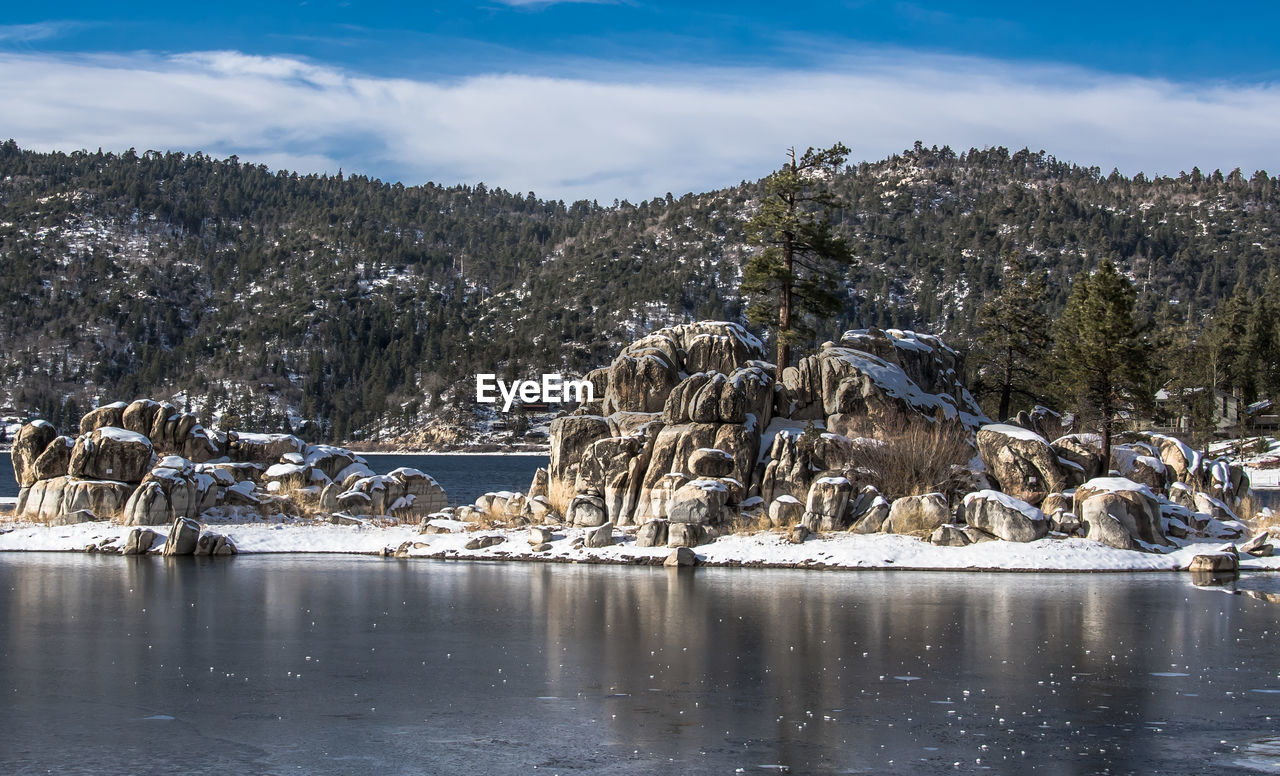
(923,457)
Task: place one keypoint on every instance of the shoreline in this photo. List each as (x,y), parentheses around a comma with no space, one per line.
(765,549)
(545,453)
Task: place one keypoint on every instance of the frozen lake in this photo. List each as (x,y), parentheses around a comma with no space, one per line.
(463,477)
(359,665)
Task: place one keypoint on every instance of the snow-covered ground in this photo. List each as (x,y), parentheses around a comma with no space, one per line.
(765,549)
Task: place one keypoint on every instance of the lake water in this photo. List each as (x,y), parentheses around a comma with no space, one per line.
(463,477)
(466,477)
(358,665)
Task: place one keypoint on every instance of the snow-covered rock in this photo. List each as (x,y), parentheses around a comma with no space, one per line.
(917,515)
(1004,516)
(1021,462)
(111,453)
(1120,513)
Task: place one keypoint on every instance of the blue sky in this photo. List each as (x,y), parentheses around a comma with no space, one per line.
(632,99)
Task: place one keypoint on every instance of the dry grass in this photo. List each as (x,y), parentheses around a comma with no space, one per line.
(299,504)
(923,457)
(741,524)
(559,494)
(1253,515)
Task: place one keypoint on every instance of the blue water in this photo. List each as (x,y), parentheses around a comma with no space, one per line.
(463,477)
(8,485)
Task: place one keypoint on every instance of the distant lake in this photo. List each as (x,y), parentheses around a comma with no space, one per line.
(463,477)
(352,665)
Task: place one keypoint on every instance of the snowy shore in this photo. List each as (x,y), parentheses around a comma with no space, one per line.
(763,550)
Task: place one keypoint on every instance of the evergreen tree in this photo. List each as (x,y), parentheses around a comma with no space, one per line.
(1186,378)
(795,276)
(1009,353)
(1259,353)
(1231,366)
(1099,357)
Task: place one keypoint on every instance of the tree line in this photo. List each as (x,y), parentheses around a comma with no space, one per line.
(362,306)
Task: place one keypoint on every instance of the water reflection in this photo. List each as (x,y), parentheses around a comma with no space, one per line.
(346,665)
(1260,587)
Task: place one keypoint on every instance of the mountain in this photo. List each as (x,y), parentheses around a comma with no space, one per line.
(353,310)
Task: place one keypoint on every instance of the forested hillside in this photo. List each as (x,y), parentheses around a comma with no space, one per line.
(367,308)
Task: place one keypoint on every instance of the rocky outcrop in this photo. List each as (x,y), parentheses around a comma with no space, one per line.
(29,443)
(1004,517)
(1042,421)
(710,462)
(106,415)
(170,431)
(785,511)
(652,534)
(917,515)
(1083,450)
(215,544)
(184,535)
(55,461)
(1136,462)
(1021,462)
(571,436)
(789,467)
(111,453)
(868,511)
(640,378)
(615,467)
(139,542)
(405,493)
(587,511)
(826,507)
(700,502)
(696,402)
(600,537)
(860,394)
(681,557)
(112,471)
(261,448)
(171,490)
(949,535)
(1120,513)
(1225,561)
(47,500)
(686,534)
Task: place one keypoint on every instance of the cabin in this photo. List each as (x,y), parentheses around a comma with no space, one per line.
(1231,416)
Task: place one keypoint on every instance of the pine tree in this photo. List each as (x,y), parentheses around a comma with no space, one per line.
(1186,378)
(1229,362)
(795,276)
(1259,348)
(1099,358)
(1009,353)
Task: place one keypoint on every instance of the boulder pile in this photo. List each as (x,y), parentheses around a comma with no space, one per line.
(694,429)
(148,464)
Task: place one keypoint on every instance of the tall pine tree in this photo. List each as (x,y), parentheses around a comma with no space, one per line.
(796,275)
(1009,353)
(1100,363)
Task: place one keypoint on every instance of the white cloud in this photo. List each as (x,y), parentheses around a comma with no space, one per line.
(24,33)
(624,134)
